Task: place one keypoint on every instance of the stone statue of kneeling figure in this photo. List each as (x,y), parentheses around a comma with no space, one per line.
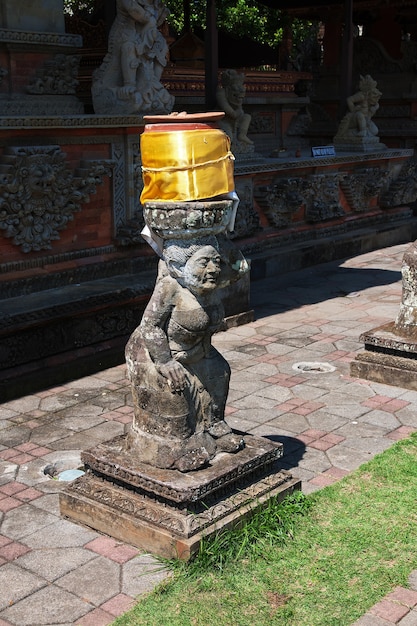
(230,96)
(357,127)
(180,381)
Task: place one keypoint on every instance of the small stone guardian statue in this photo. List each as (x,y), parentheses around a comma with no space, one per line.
(128,82)
(357,130)
(230,96)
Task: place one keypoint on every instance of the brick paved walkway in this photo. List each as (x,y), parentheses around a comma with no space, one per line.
(290,382)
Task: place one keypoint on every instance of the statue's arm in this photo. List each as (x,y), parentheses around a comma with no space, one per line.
(154,320)
(223,102)
(153,325)
(352,101)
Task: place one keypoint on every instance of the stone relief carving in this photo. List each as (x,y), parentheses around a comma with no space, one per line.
(263,122)
(361,185)
(323,197)
(184,521)
(36,38)
(130,233)
(230,96)
(403,189)
(247,219)
(311,120)
(281,200)
(39,194)
(58,76)
(128,81)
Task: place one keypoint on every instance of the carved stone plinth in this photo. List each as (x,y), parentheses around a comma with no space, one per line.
(389,357)
(391,350)
(359,144)
(168,512)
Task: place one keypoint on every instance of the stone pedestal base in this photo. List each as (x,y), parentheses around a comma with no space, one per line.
(359,144)
(167,512)
(388,358)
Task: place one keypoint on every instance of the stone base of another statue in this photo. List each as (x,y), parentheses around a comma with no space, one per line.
(168,512)
(388,357)
(358,144)
(390,354)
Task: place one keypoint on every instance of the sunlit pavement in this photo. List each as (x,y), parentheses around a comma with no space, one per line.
(290,382)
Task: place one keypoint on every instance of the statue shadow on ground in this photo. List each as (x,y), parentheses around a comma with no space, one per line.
(294,449)
(313,285)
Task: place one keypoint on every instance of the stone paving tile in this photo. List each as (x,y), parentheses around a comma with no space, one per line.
(60,534)
(13,550)
(118,604)
(82,581)
(53,563)
(16,583)
(97,617)
(23,522)
(141,574)
(47,606)
(382,419)
(410,619)
(401,433)
(112,549)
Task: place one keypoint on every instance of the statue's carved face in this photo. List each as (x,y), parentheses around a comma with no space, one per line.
(202,270)
(235,94)
(40,179)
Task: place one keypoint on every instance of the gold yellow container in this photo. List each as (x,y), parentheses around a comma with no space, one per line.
(184,162)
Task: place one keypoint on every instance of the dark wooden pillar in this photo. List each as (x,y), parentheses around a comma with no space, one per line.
(346,57)
(212,55)
(187,16)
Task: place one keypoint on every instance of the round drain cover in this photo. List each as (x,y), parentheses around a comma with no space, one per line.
(70,474)
(313,367)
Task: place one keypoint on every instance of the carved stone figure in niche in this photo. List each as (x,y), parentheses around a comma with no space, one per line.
(230,96)
(129,80)
(357,125)
(179,380)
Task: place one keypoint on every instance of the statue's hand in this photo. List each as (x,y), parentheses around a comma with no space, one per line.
(174,372)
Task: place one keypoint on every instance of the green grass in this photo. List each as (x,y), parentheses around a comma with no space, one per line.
(319,560)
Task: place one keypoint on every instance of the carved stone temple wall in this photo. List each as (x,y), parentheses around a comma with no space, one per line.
(38,60)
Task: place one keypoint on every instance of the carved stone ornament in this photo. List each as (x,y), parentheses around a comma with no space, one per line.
(323,198)
(58,76)
(362,185)
(402,190)
(39,194)
(281,200)
(247,219)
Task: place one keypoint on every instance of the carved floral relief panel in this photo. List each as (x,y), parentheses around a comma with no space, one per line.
(39,194)
(362,185)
